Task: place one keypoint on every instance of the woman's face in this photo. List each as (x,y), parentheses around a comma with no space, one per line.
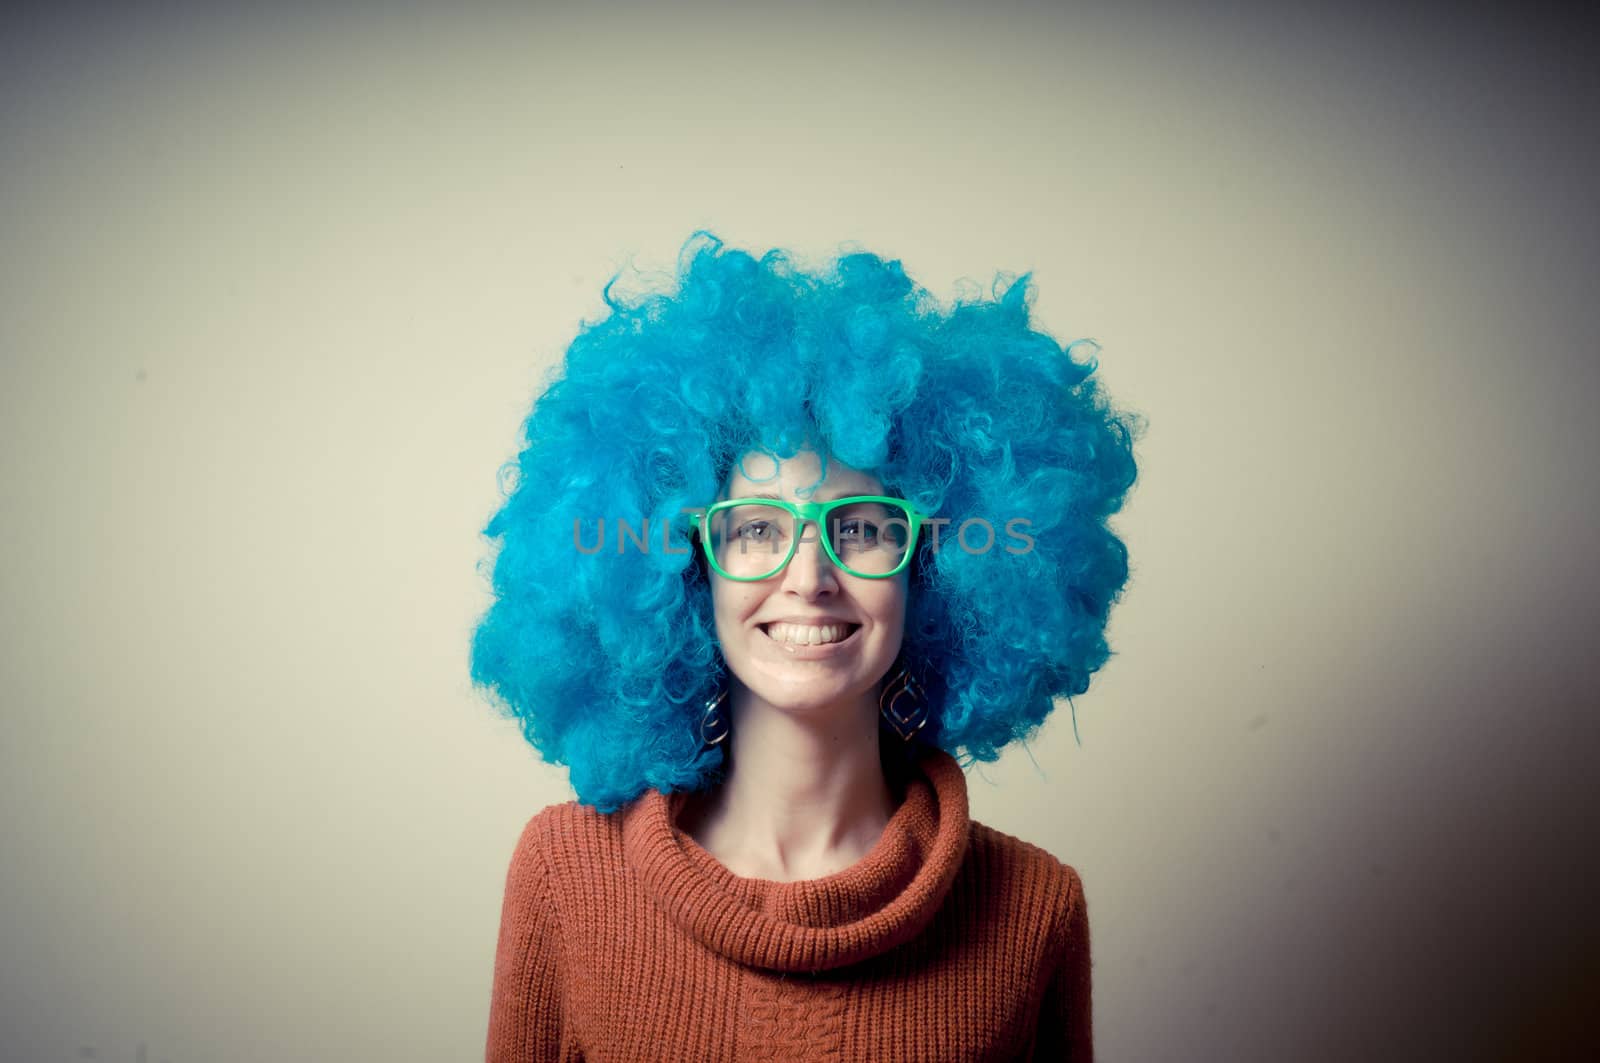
(769,628)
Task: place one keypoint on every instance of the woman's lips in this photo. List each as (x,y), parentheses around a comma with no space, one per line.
(813,652)
(808,633)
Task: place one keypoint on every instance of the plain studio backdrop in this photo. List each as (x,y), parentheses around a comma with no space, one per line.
(278,287)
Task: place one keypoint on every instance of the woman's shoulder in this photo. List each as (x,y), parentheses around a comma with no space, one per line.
(990,843)
(564,851)
(1021,870)
(570,827)
(564,841)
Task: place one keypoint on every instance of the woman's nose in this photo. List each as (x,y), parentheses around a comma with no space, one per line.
(811,571)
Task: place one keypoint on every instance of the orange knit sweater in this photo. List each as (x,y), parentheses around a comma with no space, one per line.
(623,939)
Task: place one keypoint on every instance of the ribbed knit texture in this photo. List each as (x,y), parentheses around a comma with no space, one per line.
(622,939)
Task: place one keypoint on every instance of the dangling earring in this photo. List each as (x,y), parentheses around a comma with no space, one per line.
(904,704)
(714,722)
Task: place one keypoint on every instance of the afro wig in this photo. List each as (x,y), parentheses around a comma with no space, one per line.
(606,654)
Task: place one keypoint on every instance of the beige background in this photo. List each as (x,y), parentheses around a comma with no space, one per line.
(277,287)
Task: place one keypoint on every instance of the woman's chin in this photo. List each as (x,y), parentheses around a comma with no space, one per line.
(805,696)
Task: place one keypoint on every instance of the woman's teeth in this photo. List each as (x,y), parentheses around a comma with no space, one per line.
(809,634)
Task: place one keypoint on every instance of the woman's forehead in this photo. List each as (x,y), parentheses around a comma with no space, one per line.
(797,478)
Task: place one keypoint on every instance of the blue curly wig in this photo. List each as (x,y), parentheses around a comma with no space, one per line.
(606,657)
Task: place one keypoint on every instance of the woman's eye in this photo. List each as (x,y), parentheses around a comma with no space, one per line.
(858,531)
(758,530)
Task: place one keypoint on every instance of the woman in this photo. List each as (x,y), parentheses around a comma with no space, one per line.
(779,543)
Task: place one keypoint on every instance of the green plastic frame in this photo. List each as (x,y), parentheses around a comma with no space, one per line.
(813,513)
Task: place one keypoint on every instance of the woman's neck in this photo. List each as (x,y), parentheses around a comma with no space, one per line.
(802,798)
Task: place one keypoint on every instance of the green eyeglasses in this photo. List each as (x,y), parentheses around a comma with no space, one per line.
(748,539)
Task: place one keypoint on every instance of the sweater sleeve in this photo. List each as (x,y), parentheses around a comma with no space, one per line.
(1065,1026)
(525,1010)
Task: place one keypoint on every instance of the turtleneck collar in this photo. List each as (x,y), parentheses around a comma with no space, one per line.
(883,900)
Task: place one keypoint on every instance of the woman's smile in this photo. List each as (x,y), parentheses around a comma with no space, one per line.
(810,642)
